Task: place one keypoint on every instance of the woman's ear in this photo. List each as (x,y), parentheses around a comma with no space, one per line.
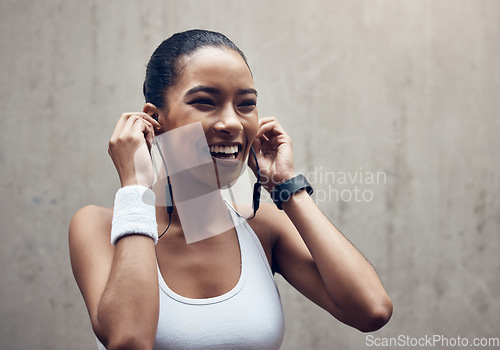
(151,110)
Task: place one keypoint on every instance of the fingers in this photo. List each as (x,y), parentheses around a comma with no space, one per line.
(268,128)
(130,123)
(144,116)
(139,126)
(127,147)
(150,119)
(125,117)
(271,134)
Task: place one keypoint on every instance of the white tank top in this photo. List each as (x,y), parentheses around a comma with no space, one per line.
(249,316)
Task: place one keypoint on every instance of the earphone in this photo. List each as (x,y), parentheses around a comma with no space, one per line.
(168,193)
(256,187)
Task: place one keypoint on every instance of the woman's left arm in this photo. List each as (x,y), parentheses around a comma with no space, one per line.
(358,296)
(310,252)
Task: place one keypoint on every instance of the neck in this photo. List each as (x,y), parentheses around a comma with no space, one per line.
(199,210)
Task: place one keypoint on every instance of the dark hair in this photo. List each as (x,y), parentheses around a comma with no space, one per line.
(161,72)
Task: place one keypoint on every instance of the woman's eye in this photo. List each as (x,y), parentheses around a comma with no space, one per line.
(247,106)
(203,103)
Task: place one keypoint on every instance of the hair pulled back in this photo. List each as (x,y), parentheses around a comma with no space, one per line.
(161,71)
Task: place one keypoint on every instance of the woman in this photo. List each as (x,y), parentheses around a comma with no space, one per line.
(143,292)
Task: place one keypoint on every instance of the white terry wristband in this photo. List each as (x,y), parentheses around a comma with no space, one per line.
(134,213)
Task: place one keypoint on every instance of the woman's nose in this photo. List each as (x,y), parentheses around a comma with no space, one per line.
(229,122)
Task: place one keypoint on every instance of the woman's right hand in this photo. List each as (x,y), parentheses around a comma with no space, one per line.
(129,148)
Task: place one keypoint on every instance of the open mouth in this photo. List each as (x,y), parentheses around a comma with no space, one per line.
(225,151)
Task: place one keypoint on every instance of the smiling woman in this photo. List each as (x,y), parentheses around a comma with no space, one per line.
(217,293)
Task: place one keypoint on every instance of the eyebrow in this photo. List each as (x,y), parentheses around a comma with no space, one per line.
(215,91)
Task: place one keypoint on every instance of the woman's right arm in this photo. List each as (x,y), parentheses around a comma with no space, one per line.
(119,284)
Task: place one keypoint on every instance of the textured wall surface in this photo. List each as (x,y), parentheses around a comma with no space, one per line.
(408,90)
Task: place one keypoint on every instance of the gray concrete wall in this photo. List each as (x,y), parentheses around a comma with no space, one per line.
(408,89)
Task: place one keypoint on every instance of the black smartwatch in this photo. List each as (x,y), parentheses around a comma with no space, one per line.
(284,191)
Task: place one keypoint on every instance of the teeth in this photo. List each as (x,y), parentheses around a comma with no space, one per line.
(224,149)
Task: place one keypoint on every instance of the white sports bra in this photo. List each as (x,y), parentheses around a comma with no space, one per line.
(249,316)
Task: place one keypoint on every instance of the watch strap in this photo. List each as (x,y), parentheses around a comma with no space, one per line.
(282,192)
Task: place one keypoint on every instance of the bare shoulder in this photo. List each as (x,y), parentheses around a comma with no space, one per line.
(90,230)
(91,221)
(95,211)
(269,220)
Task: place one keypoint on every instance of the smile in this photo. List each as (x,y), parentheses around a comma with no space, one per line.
(225,151)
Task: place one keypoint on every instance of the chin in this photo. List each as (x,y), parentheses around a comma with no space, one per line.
(228,171)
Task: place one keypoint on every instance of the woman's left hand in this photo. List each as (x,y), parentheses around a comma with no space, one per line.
(273,148)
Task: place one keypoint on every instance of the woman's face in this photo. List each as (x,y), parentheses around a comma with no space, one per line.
(215,87)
